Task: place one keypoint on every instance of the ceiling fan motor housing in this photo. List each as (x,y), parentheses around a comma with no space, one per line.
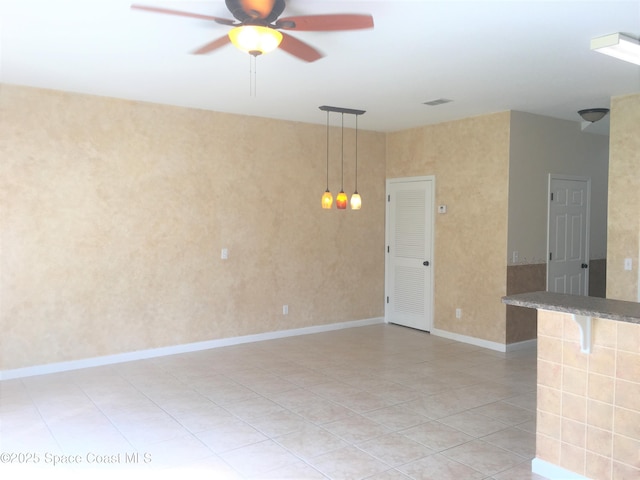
(243,12)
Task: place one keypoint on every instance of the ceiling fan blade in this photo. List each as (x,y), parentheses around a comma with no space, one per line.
(211,46)
(223,21)
(330,22)
(299,49)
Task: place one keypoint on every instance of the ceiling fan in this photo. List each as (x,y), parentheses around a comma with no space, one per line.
(258,24)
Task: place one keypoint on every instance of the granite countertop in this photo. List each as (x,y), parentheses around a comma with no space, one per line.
(589,306)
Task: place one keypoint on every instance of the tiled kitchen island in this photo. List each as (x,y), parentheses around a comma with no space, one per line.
(588,393)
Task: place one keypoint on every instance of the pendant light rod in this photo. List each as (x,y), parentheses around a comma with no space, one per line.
(327,150)
(350,111)
(342,155)
(356,154)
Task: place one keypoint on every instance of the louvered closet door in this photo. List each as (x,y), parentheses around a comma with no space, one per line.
(409,265)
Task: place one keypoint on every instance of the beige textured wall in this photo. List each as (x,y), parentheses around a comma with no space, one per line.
(113,215)
(624,199)
(470,160)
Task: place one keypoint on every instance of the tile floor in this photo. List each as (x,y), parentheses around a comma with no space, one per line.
(380,402)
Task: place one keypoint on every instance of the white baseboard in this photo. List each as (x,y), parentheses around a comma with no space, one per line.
(479,342)
(499,347)
(512,347)
(175,349)
(553,472)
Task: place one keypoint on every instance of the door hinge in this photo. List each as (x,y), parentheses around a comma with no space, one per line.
(388,198)
(552,196)
(388,249)
(550,256)
(387,299)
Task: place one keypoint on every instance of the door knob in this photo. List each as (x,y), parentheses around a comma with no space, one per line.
(584,265)
(426,263)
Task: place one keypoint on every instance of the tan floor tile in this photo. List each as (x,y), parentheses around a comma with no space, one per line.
(473,423)
(294,471)
(515,440)
(279,423)
(259,458)
(438,467)
(323,411)
(203,418)
(253,408)
(324,397)
(437,436)
(506,413)
(229,435)
(519,472)
(390,475)
(484,457)
(311,441)
(395,449)
(356,429)
(397,417)
(348,464)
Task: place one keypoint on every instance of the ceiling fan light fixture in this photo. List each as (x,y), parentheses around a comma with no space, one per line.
(593,114)
(255,39)
(618,45)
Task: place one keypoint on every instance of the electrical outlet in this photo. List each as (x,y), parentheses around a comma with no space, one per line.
(628,264)
(458,313)
(224,254)
(285,309)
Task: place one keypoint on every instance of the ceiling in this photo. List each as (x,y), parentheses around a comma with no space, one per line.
(531,56)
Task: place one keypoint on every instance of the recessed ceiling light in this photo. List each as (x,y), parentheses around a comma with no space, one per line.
(439,101)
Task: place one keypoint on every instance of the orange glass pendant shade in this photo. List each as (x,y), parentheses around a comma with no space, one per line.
(341,201)
(327,199)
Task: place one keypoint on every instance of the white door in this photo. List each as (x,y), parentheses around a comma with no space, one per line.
(409,252)
(568,235)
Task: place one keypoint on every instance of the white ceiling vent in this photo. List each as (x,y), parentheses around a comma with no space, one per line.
(439,101)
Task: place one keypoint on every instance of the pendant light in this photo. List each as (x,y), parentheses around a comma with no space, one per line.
(341,199)
(327,198)
(356,201)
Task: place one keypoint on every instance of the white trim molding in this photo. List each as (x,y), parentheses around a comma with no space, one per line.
(176,349)
(479,342)
(512,347)
(553,472)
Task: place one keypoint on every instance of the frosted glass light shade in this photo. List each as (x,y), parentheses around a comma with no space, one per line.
(255,39)
(593,114)
(341,201)
(327,199)
(356,201)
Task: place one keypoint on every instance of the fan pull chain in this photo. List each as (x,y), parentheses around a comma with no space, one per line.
(252,75)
